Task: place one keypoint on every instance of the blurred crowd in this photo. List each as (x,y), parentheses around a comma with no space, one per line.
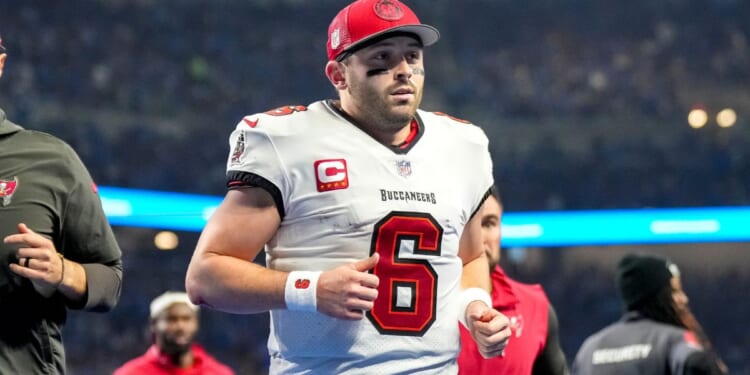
(147,86)
(585,103)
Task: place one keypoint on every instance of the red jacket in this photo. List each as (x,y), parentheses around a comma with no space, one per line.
(527,307)
(153,362)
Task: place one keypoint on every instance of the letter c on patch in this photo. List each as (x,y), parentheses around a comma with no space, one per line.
(331,174)
(331,171)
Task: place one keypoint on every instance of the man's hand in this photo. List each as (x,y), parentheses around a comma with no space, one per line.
(348,291)
(37,260)
(489,328)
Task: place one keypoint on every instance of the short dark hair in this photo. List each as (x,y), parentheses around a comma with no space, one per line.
(495,192)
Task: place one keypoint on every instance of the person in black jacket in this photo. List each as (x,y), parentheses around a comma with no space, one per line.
(657,334)
(57,250)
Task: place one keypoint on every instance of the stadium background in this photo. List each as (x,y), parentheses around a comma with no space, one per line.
(586,103)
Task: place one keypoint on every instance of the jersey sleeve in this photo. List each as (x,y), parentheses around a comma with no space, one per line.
(87,238)
(254,161)
(471,142)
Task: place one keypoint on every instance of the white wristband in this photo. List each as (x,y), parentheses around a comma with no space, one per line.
(468,296)
(299,292)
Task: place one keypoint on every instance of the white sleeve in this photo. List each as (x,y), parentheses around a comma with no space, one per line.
(483,171)
(254,161)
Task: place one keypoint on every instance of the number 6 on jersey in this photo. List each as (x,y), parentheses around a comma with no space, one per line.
(408,287)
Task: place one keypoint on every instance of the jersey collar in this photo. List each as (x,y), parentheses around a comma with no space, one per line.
(416,131)
(506,295)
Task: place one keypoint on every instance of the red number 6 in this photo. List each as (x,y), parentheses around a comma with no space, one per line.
(407,292)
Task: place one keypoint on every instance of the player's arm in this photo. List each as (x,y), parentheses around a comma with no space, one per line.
(222,275)
(475,267)
(551,361)
(489,328)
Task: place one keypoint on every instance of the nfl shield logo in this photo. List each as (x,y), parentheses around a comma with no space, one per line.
(6,190)
(404,168)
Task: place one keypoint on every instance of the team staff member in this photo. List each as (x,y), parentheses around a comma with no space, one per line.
(652,337)
(534,345)
(57,249)
(174,324)
(366,234)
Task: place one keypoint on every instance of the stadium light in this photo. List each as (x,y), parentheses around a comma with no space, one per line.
(166,240)
(726,118)
(697,118)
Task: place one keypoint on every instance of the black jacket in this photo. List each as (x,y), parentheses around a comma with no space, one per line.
(44,184)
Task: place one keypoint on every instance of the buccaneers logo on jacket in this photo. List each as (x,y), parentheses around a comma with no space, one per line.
(7,187)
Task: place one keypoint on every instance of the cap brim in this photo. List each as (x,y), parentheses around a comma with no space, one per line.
(427,34)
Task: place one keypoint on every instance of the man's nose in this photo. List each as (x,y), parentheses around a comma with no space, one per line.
(403,70)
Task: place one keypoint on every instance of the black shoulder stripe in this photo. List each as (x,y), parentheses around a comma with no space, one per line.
(238,179)
(481,202)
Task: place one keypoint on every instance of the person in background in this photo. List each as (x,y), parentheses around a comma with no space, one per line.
(58,251)
(174,324)
(534,345)
(655,335)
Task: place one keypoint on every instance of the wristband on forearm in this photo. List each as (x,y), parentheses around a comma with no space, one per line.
(468,296)
(300,290)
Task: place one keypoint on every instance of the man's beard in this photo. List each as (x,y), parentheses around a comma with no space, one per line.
(380,112)
(170,346)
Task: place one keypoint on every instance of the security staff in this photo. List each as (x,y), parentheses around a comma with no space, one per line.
(652,337)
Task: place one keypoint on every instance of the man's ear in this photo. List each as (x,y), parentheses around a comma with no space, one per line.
(152,330)
(335,71)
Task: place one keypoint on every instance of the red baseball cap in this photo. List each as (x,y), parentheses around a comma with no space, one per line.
(364,20)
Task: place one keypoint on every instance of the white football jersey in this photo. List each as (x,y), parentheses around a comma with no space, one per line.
(343,196)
